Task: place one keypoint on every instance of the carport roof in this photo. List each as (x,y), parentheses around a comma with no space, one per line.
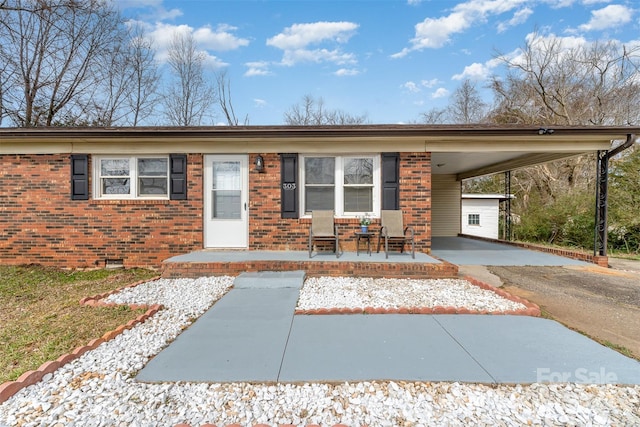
(461,150)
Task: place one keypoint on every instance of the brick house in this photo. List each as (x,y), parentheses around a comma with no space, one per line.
(84,197)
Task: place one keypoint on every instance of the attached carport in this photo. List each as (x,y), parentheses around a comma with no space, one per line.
(464,152)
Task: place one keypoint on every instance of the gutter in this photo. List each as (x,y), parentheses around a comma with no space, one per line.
(602,183)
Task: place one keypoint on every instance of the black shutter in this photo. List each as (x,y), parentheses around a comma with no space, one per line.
(390,181)
(79,177)
(178,176)
(289,185)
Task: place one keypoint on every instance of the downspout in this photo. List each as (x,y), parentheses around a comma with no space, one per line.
(602,184)
(631,138)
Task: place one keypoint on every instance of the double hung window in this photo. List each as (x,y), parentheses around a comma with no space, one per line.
(137,177)
(474,219)
(348,185)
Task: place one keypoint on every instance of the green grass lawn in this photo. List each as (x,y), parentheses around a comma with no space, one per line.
(41,317)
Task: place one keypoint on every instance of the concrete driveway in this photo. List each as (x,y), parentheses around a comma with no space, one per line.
(462,251)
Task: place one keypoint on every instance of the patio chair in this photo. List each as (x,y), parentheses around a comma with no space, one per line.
(323,229)
(393,231)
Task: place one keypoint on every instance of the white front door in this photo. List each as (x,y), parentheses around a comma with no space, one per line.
(226,192)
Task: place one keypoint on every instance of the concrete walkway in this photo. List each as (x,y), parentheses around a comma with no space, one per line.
(251,334)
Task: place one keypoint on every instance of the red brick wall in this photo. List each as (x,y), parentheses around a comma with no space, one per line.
(268,231)
(39,223)
(415,196)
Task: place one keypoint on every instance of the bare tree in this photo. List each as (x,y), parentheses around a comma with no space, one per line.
(190,98)
(551,84)
(466,104)
(515,102)
(4,82)
(143,94)
(223,85)
(128,87)
(52,53)
(596,84)
(434,116)
(109,106)
(312,112)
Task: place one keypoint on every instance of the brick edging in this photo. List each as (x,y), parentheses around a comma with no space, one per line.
(600,260)
(337,267)
(28,378)
(96,300)
(530,310)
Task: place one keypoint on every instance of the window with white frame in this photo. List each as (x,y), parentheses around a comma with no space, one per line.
(474,219)
(349,185)
(131,177)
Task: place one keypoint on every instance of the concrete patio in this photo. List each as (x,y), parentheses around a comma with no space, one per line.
(447,253)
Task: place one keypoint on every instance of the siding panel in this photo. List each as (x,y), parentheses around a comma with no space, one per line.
(445,206)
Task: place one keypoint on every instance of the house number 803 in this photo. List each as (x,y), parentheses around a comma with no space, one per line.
(289,186)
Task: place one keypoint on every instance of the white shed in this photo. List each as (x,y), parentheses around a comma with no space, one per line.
(480,214)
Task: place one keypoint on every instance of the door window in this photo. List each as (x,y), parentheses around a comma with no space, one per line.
(227,192)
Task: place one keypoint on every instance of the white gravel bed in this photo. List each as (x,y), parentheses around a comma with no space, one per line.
(99,389)
(352,292)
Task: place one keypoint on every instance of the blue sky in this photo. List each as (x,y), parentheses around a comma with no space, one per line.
(388,59)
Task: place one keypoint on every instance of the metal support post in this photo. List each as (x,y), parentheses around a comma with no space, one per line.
(600,232)
(507,205)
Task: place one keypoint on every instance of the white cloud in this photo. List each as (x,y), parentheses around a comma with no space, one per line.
(251,72)
(414,2)
(404,52)
(257,68)
(411,87)
(417,88)
(164,14)
(429,83)
(259,103)
(538,43)
(558,4)
(567,42)
(347,72)
(154,10)
(300,36)
(292,57)
(206,38)
(437,32)
(213,61)
(295,42)
(608,17)
(220,39)
(520,17)
(440,93)
(475,71)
